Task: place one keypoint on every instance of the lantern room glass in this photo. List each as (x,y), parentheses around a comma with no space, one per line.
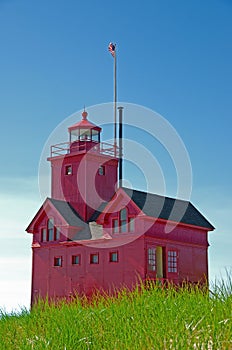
(95,135)
(85,135)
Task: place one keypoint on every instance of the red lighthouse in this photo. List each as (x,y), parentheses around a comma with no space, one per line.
(84,171)
(92,235)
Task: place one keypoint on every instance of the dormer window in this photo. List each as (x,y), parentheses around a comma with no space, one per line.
(50,232)
(58,233)
(115,226)
(123,220)
(51,229)
(131,224)
(123,223)
(44,234)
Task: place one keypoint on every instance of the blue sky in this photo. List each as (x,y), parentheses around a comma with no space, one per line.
(173,57)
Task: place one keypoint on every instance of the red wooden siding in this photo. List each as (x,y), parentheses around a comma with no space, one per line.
(69,257)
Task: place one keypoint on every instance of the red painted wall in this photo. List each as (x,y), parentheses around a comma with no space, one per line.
(191,245)
(64,281)
(48,280)
(55,281)
(84,189)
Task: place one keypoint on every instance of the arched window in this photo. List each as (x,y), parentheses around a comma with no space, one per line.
(51,229)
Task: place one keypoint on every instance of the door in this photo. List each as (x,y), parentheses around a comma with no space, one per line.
(160,262)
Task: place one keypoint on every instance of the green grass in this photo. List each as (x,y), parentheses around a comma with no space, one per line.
(144,319)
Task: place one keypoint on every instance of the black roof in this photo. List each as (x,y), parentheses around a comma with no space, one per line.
(152,205)
(168,208)
(98,212)
(72,218)
(66,210)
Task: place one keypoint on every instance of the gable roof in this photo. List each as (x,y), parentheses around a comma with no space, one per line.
(168,208)
(150,204)
(72,218)
(68,213)
(66,210)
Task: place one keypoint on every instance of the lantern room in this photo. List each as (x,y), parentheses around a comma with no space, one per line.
(84,135)
(84,131)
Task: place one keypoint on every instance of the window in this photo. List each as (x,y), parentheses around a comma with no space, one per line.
(172,261)
(123,223)
(123,220)
(94,259)
(95,136)
(76,259)
(85,134)
(51,233)
(113,256)
(58,261)
(131,224)
(44,235)
(68,170)
(115,226)
(58,233)
(151,258)
(51,229)
(101,170)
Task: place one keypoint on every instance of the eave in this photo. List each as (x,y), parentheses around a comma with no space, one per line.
(177,223)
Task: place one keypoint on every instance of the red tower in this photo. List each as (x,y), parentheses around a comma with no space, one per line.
(84,170)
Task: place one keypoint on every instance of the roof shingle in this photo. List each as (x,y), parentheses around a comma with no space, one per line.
(168,208)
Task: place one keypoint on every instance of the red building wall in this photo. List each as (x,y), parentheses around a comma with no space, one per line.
(85,189)
(65,280)
(180,255)
(191,245)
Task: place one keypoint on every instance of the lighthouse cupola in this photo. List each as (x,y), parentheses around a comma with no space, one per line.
(84,134)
